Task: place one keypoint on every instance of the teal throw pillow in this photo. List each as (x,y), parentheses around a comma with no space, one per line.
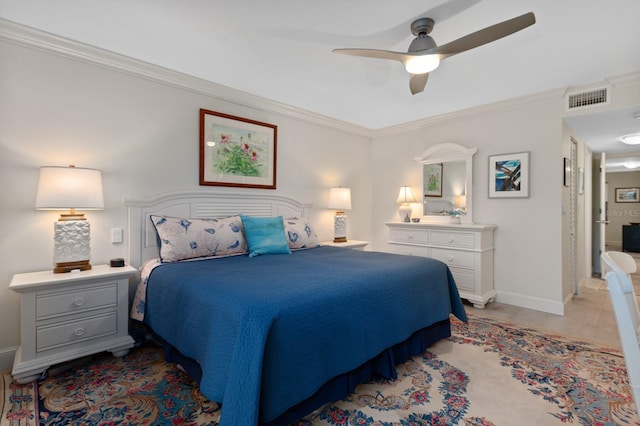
(265,235)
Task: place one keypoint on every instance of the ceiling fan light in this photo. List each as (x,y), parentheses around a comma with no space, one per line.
(422,64)
(632,139)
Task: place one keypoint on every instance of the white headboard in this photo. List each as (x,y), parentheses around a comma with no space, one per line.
(198,204)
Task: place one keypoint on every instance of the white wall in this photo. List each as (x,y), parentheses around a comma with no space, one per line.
(144,136)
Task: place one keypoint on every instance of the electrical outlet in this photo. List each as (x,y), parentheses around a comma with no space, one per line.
(116,235)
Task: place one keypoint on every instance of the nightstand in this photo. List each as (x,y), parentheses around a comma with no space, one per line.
(352,244)
(70,315)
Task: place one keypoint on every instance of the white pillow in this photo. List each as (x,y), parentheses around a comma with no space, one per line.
(182,238)
(300,234)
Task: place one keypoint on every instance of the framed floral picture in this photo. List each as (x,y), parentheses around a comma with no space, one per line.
(236,151)
(432,174)
(509,175)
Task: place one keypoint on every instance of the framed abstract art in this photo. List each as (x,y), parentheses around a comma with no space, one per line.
(509,175)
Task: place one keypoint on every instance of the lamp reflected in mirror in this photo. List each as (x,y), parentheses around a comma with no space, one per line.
(405,196)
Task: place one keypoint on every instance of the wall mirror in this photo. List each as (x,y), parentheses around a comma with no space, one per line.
(446,171)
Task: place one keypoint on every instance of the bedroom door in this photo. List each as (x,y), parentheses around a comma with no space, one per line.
(600,193)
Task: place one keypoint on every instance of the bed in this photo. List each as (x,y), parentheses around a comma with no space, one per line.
(273,336)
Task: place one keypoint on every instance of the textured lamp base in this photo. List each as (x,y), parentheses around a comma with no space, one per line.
(340,227)
(71,245)
(62,267)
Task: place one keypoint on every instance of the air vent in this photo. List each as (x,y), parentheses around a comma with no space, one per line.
(587,99)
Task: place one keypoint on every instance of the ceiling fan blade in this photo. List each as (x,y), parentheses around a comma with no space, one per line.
(418,82)
(487,35)
(373,53)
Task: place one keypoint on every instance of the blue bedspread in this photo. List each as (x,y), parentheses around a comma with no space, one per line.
(268,331)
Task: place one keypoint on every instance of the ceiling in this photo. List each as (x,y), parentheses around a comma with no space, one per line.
(281,50)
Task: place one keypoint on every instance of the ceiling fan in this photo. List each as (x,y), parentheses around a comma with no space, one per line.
(424,55)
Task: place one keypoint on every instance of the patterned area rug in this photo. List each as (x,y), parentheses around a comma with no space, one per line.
(488,373)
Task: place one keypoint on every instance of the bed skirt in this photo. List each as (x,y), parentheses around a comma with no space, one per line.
(339,387)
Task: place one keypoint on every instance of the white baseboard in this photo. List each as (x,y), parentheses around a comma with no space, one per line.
(6,357)
(529,302)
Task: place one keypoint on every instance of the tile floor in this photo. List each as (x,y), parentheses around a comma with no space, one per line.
(588,317)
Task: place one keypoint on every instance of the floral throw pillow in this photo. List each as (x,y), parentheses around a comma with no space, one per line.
(300,234)
(183,238)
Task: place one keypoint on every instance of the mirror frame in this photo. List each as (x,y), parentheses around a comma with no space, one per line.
(442,153)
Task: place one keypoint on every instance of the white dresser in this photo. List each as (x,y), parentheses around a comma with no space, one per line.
(70,315)
(466,248)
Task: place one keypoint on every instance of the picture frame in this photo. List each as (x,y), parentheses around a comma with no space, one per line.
(432,174)
(509,175)
(566,176)
(627,195)
(237,151)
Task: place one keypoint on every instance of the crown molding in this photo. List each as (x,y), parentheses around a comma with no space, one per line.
(33,38)
(471,113)
(630,79)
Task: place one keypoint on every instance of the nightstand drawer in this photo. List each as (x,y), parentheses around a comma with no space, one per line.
(454,257)
(453,239)
(66,302)
(409,236)
(59,334)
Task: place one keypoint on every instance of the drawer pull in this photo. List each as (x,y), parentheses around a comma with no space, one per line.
(450,258)
(409,237)
(79,332)
(451,239)
(79,301)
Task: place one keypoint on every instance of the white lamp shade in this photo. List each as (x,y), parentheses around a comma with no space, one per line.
(62,188)
(405,196)
(340,198)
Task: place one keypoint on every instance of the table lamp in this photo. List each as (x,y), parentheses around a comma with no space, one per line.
(70,188)
(404,198)
(340,199)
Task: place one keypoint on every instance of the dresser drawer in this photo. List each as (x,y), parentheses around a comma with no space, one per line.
(464,280)
(65,302)
(408,250)
(454,257)
(453,239)
(65,333)
(414,236)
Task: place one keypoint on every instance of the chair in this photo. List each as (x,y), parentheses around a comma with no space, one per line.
(625,307)
(624,261)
